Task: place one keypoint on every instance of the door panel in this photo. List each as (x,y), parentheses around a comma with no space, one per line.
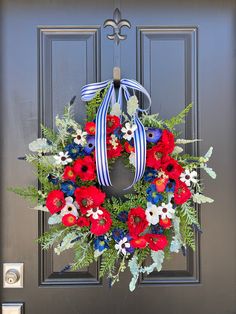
(181,52)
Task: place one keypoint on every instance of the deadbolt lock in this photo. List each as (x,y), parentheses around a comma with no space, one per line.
(13,275)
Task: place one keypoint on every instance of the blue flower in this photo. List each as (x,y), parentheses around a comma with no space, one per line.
(123,216)
(118,133)
(90,144)
(74,150)
(153,135)
(157,229)
(101,243)
(68,187)
(117,234)
(53,179)
(170,187)
(152,195)
(150,174)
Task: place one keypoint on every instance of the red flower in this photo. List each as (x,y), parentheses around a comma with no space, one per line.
(113,122)
(155,156)
(55,201)
(172,168)
(128,148)
(181,193)
(69,220)
(101,225)
(83,222)
(167,141)
(139,242)
(161,183)
(137,222)
(113,152)
(85,168)
(156,241)
(165,223)
(69,174)
(90,128)
(88,197)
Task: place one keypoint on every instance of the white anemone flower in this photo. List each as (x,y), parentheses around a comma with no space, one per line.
(69,208)
(128,131)
(80,137)
(189,177)
(152,214)
(62,158)
(94,212)
(122,245)
(166,210)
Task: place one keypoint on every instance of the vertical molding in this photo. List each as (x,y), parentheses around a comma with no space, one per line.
(187,36)
(47,36)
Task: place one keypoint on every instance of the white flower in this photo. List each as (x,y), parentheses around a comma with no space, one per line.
(80,137)
(187,177)
(128,131)
(69,208)
(122,245)
(40,145)
(166,210)
(132,158)
(132,105)
(152,214)
(113,141)
(63,158)
(95,212)
(115,110)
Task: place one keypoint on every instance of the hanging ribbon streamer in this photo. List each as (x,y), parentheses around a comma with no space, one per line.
(88,92)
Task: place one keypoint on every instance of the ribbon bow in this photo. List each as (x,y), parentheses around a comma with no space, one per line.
(88,92)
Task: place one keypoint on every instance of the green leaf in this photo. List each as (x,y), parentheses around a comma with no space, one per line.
(176,242)
(199,199)
(30,193)
(54,219)
(179,119)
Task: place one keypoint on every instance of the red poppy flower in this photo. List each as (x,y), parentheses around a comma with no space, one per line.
(69,174)
(165,223)
(55,201)
(101,225)
(156,242)
(156,156)
(137,221)
(90,128)
(113,152)
(167,141)
(181,193)
(113,122)
(69,220)
(172,168)
(139,242)
(128,148)
(88,197)
(83,222)
(161,183)
(85,168)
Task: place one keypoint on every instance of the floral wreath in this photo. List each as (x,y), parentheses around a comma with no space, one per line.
(158,218)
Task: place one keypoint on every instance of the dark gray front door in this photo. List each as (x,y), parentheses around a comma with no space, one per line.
(181,51)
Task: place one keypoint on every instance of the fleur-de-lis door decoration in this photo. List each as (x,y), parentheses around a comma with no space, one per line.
(117,23)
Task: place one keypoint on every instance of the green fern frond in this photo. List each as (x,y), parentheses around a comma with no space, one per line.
(30,193)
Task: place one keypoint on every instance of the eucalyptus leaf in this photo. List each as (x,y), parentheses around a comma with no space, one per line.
(66,243)
(54,219)
(186,141)
(209,153)
(199,199)
(209,171)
